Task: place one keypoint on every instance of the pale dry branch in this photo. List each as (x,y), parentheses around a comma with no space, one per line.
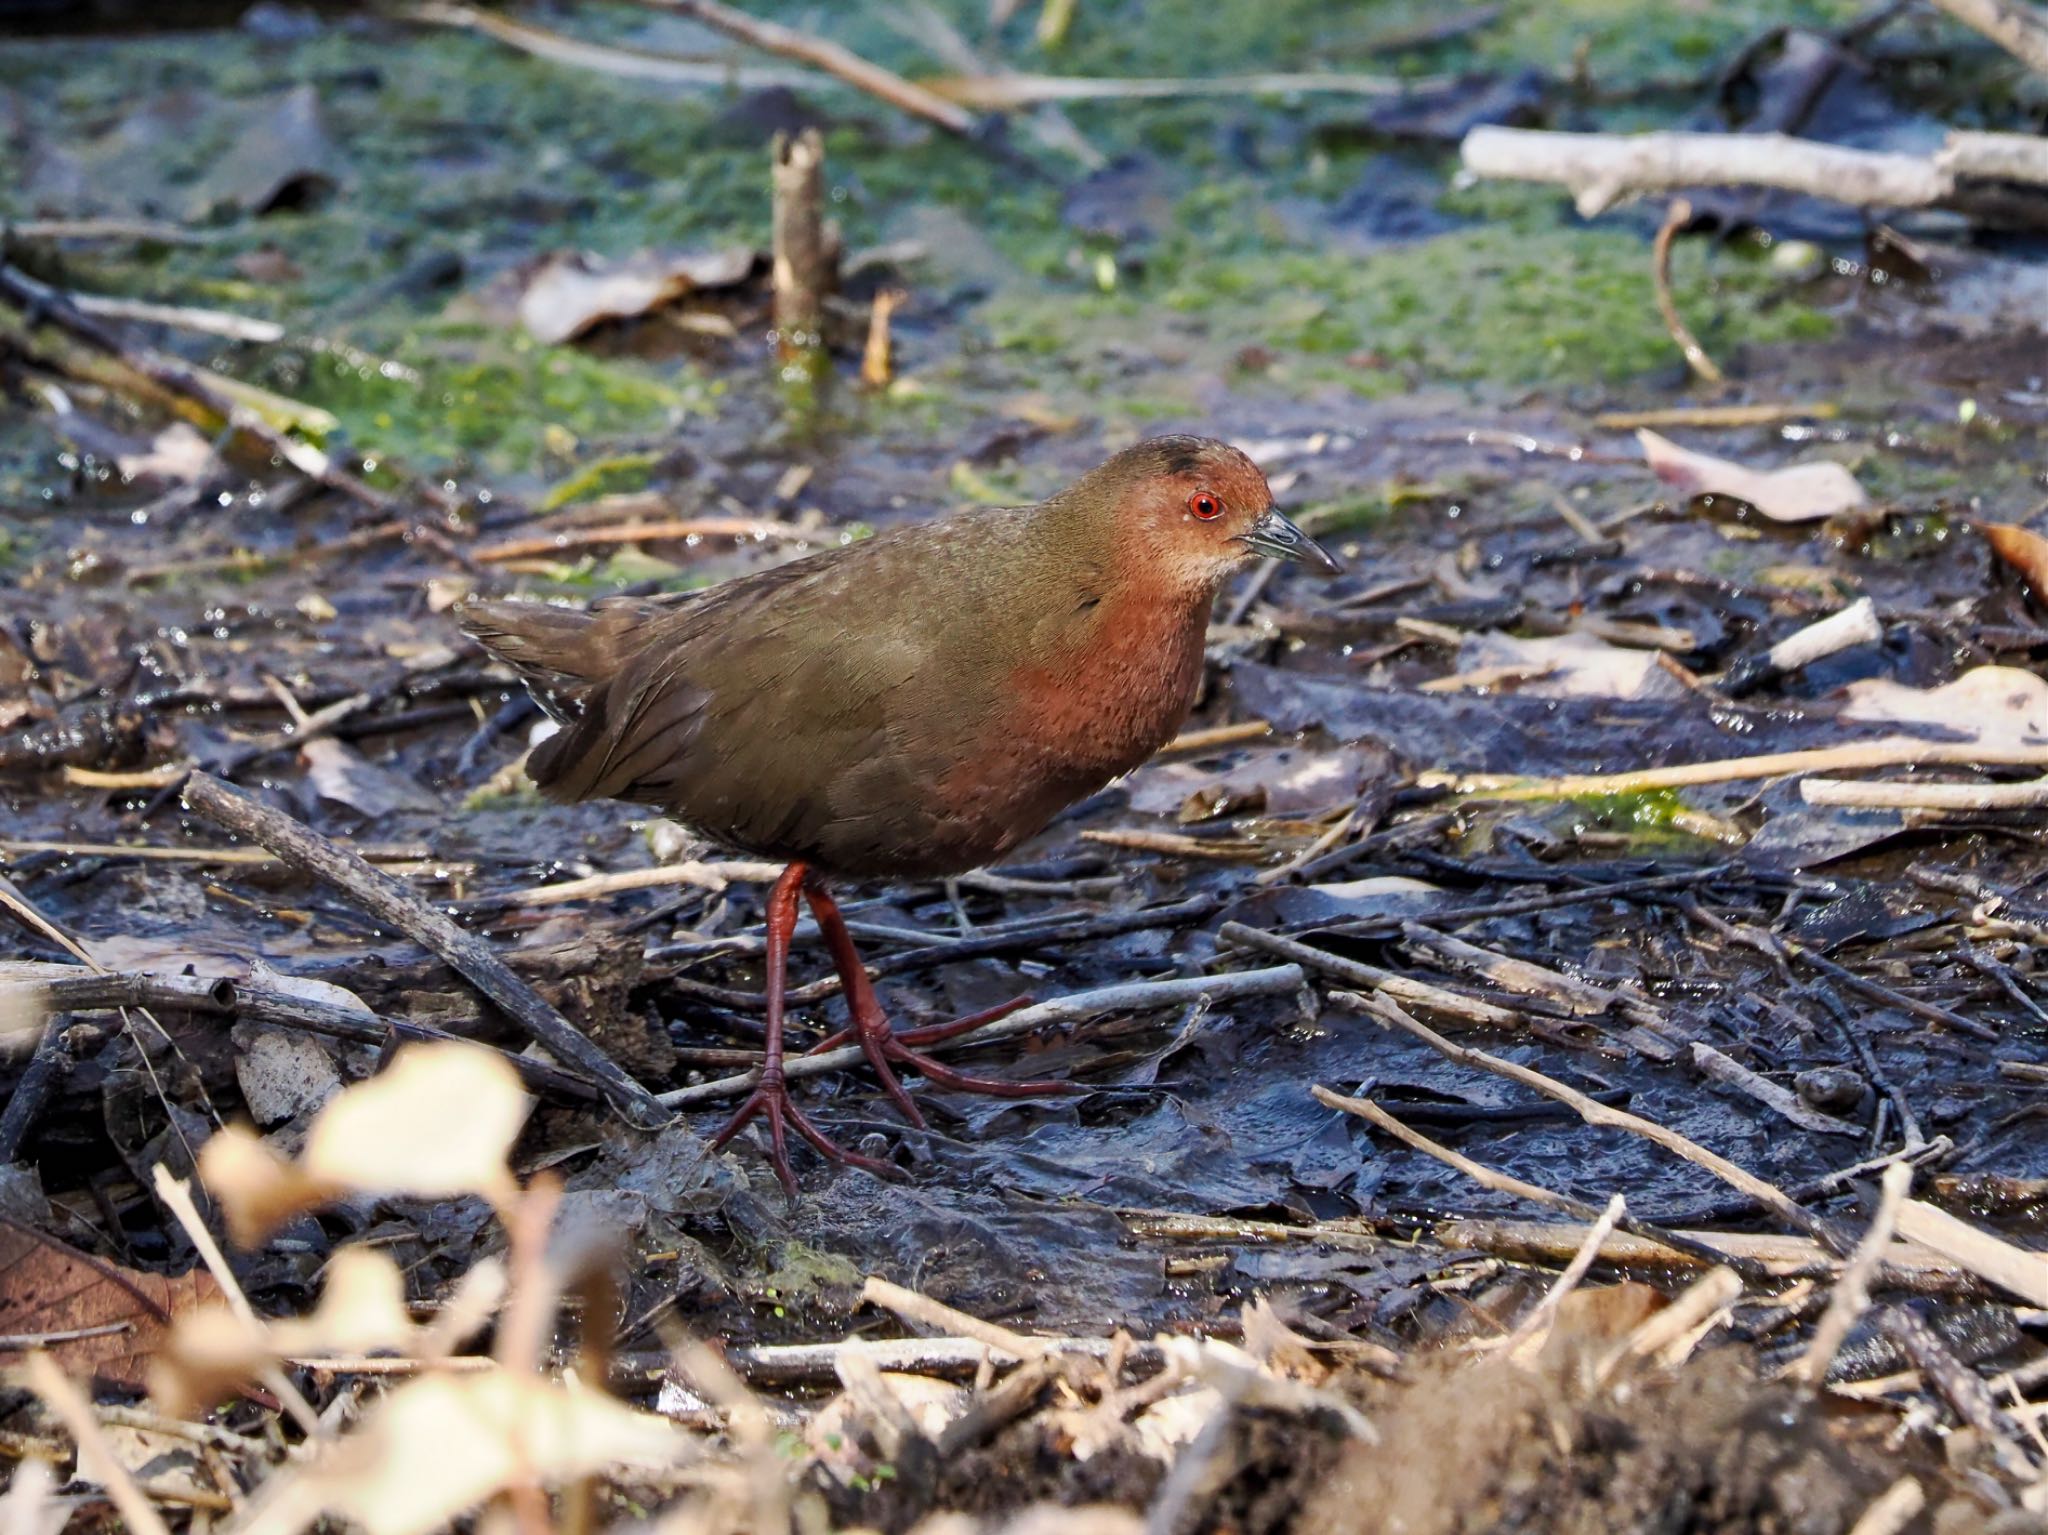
(1896,1507)
(2017,27)
(2016,1269)
(1966,797)
(1676,217)
(1530,1333)
(1895,751)
(1600,169)
(1593,1112)
(926,1312)
(1852,1287)
(96,1456)
(821,53)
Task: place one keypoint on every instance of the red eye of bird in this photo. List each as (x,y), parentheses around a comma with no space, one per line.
(1205,506)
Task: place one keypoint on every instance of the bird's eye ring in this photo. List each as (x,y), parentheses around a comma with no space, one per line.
(1205,506)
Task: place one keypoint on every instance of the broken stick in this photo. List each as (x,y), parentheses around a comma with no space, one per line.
(388,901)
(1602,169)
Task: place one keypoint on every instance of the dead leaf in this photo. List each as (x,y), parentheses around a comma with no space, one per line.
(1569,666)
(212,1351)
(282,1075)
(1991,705)
(572,292)
(344,775)
(438,1123)
(281,158)
(2023,549)
(178,455)
(437,1446)
(1796,493)
(49,1289)
(1278,781)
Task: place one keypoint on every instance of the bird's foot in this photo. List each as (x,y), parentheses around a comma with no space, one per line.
(770,1100)
(886,1049)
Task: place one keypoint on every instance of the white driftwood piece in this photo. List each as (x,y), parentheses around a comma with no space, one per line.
(1603,168)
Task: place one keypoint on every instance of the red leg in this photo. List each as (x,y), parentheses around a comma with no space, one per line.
(882,1044)
(770,1098)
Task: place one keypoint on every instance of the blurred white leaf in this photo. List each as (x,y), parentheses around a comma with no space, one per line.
(438,1446)
(1993,705)
(1568,666)
(1797,493)
(438,1123)
(572,292)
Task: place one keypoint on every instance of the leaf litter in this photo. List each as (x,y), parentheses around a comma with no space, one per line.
(1213,1300)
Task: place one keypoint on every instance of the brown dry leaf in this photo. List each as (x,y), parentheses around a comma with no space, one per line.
(1992,705)
(443,1444)
(1569,666)
(211,1351)
(439,1123)
(2023,549)
(1796,493)
(572,292)
(1274,781)
(48,1289)
(338,772)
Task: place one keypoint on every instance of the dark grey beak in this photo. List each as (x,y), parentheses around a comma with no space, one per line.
(1278,539)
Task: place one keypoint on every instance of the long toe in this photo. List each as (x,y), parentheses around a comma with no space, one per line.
(960,1081)
(932,1033)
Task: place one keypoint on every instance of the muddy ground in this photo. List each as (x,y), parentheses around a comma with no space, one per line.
(1428,372)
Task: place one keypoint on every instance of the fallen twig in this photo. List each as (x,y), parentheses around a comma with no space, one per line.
(1895,1508)
(994,93)
(1782,1101)
(1895,751)
(64,988)
(1852,1286)
(1856,624)
(2012,24)
(312,854)
(2011,1268)
(1135,996)
(1676,218)
(1715,416)
(1506,1183)
(1595,1113)
(1670,1335)
(1530,1333)
(704,876)
(567,539)
(95,1454)
(926,1312)
(2031,795)
(1436,999)
(210,322)
(610,59)
(820,53)
(1907,1265)
(1601,169)
(1958,1385)
(188,383)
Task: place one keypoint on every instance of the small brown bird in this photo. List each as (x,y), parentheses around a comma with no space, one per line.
(913,705)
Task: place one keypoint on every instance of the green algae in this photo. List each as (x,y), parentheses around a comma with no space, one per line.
(452,145)
(616,475)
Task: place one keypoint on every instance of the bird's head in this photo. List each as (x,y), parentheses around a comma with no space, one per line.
(1185,512)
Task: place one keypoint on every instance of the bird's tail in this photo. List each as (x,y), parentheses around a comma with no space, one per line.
(561,654)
